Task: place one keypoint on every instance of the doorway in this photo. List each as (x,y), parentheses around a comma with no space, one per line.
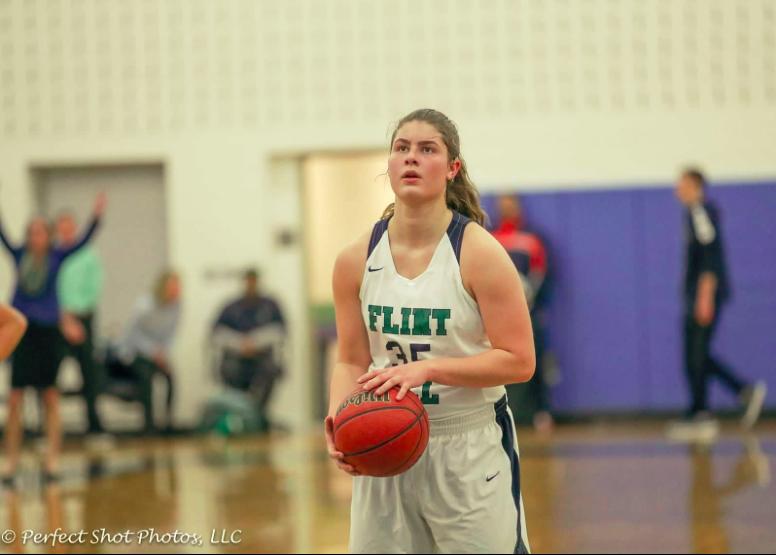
(344,195)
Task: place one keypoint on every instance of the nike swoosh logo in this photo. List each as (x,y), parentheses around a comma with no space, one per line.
(376,270)
(493,477)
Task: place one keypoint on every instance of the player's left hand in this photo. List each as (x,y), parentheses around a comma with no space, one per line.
(405,377)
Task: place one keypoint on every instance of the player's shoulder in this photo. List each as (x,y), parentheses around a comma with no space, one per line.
(481,250)
(478,242)
(351,260)
(483,260)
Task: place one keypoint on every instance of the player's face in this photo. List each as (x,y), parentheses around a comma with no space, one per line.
(66,230)
(418,167)
(688,191)
(38,236)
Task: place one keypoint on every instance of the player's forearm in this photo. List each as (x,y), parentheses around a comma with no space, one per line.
(344,380)
(12,328)
(491,369)
(707,285)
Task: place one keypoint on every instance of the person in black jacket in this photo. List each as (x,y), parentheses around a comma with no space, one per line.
(706,292)
(250,334)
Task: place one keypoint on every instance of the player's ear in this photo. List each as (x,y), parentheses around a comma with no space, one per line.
(453,169)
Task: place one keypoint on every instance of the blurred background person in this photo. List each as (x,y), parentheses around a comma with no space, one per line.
(12,328)
(249,334)
(529,256)
(79,289)
(40,352)
(143,350)
(706,292)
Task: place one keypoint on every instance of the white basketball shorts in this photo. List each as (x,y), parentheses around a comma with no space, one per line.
(462,496)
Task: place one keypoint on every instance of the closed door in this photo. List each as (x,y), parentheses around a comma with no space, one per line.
(132,241)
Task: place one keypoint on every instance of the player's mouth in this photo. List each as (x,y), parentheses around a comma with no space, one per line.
(411,176)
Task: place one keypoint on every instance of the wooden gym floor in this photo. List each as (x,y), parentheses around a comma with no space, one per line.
(588,489)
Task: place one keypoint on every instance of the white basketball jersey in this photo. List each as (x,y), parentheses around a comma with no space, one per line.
(431,316)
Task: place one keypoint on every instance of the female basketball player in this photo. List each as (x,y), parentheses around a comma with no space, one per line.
(40,352)
(426,302)
(12,328)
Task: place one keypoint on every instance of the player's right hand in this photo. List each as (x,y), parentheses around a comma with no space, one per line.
(333,453)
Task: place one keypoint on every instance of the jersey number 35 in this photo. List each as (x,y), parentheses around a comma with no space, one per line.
(426,398)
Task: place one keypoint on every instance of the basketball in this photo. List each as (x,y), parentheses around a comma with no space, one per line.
(379,435)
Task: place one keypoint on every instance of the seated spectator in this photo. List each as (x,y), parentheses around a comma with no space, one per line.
(143,351)
(249,335)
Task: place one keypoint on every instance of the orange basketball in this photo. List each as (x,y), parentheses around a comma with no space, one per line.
(379,435)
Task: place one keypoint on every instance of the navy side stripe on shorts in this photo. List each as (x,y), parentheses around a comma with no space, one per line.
(508,443)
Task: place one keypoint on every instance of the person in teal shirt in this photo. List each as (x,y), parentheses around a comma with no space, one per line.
(78,289)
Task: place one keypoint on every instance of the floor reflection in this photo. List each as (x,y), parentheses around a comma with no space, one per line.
(708,493)
(584,491)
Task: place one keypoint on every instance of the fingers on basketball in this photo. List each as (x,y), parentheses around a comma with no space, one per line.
(333,453)
(346,467)
(371,383)
(381,437)
(372,374)
(390,384)
(402,392)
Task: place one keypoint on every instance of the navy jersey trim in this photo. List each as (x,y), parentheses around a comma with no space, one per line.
(377,233)
(508,443)
(455,233)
